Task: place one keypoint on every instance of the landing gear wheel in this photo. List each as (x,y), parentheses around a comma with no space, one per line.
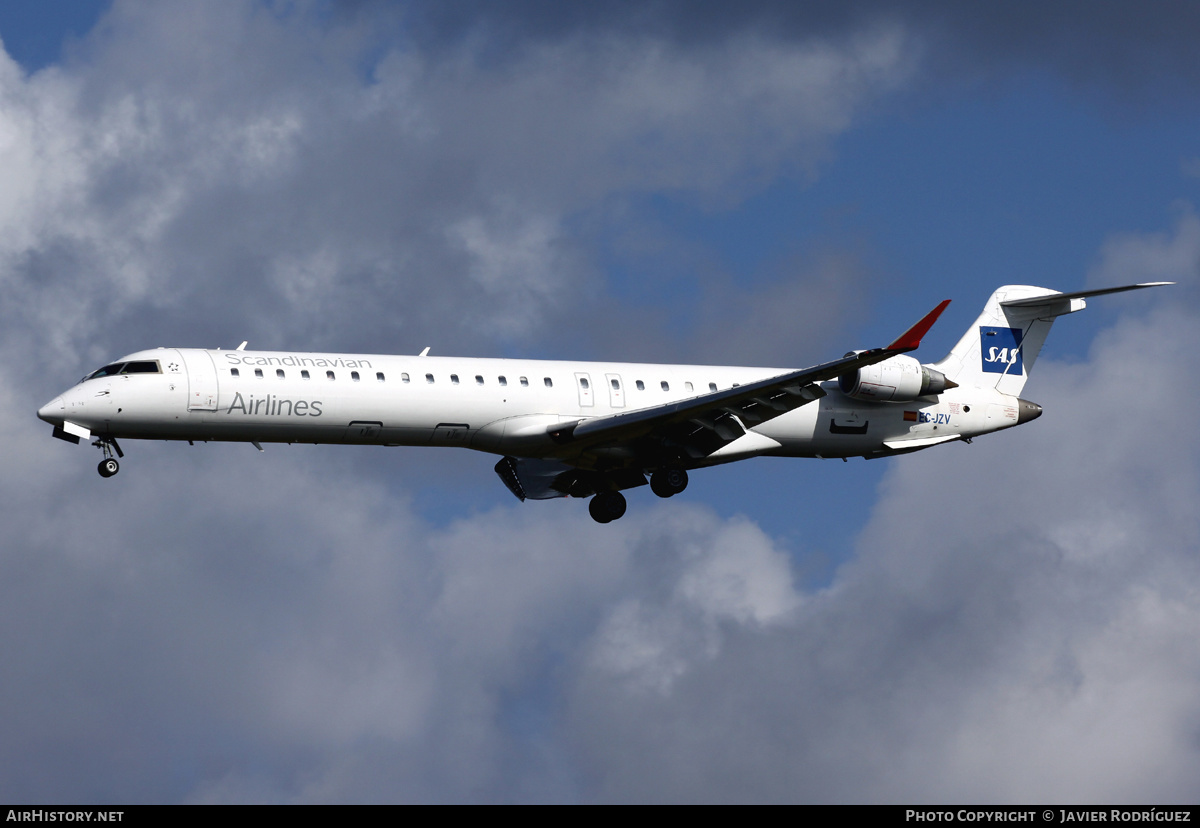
(108,467)
(668,482)
(607,507)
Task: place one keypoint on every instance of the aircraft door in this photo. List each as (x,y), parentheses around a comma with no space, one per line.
(584,382)
(616,394)
(202,379)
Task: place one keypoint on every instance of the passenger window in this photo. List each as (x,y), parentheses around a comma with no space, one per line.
(641,386)
(454,379)
(664,386)
(354,376)
(258,373)
(279,373)
(429,378)
(404,377)
(233,372)
(304,374)
(549,382)
(583,383)
(524,382)
(329,375)
(712,386)
(616,384)
(503,381)
(379,376)
(478,380)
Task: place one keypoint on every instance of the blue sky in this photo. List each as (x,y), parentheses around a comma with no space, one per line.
(678,182)
(36,35)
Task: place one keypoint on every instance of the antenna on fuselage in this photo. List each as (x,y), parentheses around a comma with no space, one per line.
(426,351)
(242,347)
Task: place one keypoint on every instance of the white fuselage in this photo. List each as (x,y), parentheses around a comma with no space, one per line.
(501,406)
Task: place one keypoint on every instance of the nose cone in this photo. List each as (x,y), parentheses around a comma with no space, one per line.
(1027,411)
(52,412)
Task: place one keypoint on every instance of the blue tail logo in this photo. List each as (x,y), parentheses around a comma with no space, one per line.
(1000,350)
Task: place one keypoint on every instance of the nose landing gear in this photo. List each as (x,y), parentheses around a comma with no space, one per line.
(109,465)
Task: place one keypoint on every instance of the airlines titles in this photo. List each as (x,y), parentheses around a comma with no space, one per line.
(238,358)
(272,406)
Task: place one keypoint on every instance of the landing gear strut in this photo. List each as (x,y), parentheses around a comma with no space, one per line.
(109,465)
(667,482)
(607,507)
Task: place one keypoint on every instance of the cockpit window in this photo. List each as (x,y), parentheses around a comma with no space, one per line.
(106,371)
(143,367)
(148,366)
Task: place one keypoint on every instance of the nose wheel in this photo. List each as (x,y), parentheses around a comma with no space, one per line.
(109,465)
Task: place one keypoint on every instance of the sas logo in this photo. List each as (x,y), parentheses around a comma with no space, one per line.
(1000,349)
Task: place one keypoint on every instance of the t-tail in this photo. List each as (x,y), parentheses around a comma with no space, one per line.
(999,350)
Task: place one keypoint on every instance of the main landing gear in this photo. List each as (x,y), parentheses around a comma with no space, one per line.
(668,482)
(109,465)
(607,507)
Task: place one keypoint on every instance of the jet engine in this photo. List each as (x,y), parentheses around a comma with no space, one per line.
(899,379)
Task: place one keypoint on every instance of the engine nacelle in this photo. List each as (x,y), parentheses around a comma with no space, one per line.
(899,379)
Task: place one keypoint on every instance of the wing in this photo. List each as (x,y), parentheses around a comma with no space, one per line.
(696,427)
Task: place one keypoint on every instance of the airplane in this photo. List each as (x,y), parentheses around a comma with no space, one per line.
(582,429)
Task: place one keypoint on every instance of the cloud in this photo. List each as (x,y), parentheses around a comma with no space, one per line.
(1015,626)
(286,638)
(217,625)
(1148,257)
(219,174)
(1134,54)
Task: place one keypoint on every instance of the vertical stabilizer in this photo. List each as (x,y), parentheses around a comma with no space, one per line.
(999,350)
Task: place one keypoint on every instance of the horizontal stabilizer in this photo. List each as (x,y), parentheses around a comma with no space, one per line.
(1050,298)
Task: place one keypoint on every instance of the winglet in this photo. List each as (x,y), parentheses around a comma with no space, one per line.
(911,339)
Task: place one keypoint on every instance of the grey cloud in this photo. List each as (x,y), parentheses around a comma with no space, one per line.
(228,173)
(288,627)
(282,636)
(1014,628)
(1167,256)
(1129,50)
